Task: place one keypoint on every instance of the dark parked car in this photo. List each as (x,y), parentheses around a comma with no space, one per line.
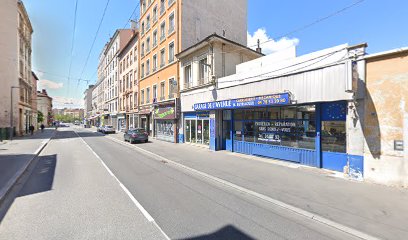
(108,129)
(136,135)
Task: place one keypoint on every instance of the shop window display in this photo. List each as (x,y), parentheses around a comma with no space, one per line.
(284,126)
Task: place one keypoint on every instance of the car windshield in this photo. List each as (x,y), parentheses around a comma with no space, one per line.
(137,131)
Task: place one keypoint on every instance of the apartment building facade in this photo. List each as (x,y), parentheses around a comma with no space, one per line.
(111,75)
(166,28)
(128,84)
(15,68)
(44,105)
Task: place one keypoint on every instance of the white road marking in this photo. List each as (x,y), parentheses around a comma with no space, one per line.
(132,198)
(304,213)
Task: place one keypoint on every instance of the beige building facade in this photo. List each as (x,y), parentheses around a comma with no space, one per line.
(129,84)
(166,28)
(15,68)
(386,118)
(44,105)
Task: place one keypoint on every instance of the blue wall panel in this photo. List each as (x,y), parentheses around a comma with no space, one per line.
(334,161)
(181,138)
(302,156)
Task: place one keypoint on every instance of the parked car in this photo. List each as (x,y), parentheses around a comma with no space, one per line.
(77,122)
(99,128)
(136,135)
(108,129)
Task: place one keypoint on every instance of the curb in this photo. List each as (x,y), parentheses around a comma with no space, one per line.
(288,207)
(10,184)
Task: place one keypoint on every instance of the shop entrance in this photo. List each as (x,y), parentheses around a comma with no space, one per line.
(333,136)
(226,130)
(197,131)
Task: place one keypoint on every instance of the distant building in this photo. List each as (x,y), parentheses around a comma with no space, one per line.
(129,84)
(15,68)
(44,105)
(108,76)
(166,29)
(34,100)
(88,101)
(386,118)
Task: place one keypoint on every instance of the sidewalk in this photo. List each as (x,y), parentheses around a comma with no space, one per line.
(374,209)
(16,155)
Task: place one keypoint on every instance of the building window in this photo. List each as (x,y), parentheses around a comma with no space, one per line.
(131,58)
(155,14)
(148,22)
(142,49)
(162,90)
(135,59)
(142,70)
(203,72)
(154,38)
(144,6)
(154,93)
(135,99)
(147,67)
(147,95)
(147,44)
(162,31)
(171,52)
(170,2)
(172,88)
(171,23)
(142,95)
(162,57)
(142,28)
(188,81)
(162,6)
(154,62)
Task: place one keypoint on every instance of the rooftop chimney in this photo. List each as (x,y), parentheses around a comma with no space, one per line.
(259,49)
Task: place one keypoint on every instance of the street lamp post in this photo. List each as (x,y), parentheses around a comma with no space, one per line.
(11,112)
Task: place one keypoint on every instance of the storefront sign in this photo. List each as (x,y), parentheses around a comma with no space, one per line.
(271,131)
(268,100)
(165,113)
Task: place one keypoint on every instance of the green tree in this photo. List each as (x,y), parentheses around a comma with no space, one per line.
(40,117)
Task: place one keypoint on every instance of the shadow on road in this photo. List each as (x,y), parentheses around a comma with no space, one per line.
(40,180)
(227,232)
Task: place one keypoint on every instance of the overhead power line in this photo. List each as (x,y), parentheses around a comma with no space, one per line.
(127,22)
(94,40)
(307,25)
(72,44)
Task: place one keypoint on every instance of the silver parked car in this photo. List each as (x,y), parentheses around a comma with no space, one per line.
(136,135)
(108,129)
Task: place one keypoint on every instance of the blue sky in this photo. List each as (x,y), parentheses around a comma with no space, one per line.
(382,24)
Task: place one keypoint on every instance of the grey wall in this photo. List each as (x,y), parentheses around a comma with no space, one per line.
(201,18)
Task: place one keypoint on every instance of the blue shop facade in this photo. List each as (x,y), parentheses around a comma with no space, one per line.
(309,117)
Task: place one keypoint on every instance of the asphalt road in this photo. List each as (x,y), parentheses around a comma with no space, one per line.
(187,206)
(70,195)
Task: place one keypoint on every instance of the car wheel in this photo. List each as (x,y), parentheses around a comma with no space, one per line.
(146,141)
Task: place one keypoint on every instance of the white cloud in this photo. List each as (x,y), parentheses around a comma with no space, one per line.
(272,45)
(64,102)
(48,84)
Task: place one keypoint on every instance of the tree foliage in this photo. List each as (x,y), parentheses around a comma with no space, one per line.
(65,118)
(40,117)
